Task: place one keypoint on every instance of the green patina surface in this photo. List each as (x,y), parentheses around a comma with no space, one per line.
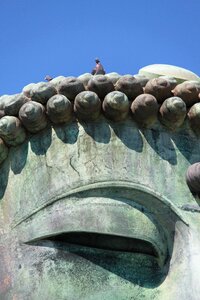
(103,178)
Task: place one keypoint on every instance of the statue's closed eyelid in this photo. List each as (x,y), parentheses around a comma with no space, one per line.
(97,222)
(145,238)
(120,210)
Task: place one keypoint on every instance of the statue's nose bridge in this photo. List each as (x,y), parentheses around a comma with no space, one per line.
(185,259)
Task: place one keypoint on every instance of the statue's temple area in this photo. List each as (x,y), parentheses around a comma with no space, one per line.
(100,186)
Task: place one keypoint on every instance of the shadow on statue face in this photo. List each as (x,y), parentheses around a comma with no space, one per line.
(87,215)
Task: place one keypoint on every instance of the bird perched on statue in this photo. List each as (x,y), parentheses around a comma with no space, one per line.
(99,69)
(48,78)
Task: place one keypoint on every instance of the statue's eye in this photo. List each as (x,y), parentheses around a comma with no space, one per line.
(98,236)
(107,242)
(102,236)
(92,255)
(106,225)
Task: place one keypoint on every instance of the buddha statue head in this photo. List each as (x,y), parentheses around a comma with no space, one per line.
(94,201)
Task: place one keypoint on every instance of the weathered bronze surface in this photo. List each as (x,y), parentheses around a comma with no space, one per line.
(98,208)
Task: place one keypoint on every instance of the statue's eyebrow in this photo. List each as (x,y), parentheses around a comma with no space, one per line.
(104,185)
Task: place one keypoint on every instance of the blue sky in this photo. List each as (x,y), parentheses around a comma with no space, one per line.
(62,37)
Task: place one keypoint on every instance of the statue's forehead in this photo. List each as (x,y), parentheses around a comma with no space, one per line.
(67,157)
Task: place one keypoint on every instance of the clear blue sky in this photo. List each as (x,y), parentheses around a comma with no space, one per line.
(62,37)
